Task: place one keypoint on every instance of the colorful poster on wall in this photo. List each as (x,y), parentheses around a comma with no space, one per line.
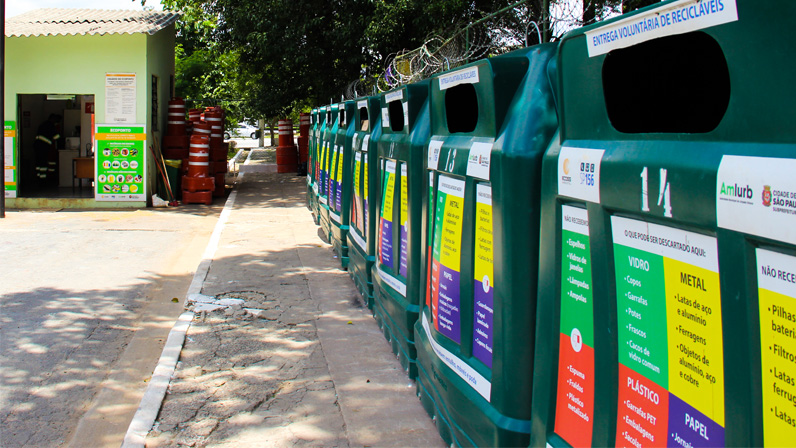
(575,393)
(120,162)
(446,258)
(484,273)
(776,283)
(385,223)
(120,98)
(11,171)
(404,218)
(671,352)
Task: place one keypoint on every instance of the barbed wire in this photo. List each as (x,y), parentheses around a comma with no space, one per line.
(519,25)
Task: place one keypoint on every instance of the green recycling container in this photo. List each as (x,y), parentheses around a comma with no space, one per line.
(491,122)
(312,197)
(315,154)
(364,183)
(328,134)
(397,277)
(667,296)
(340,176)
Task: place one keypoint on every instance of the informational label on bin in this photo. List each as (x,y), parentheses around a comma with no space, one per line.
(322,164)
(674,18)
(385,221)
(120,162)
(339,178)
(484,276)
(10,170)
(670,338)
(430,237)
(479,159)
(757,195)
(333,205)
(464,76)
(434,148)
(579,173)
(458,365)
(575,393)
(365,192)
(403,261)
(446,258)
(356,210)
(776,283)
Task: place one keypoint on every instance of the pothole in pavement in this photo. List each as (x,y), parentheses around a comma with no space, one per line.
(238,304)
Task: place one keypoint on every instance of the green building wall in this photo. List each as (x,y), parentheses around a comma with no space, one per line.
(77,65)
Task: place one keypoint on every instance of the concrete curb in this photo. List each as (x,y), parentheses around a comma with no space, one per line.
(148,410)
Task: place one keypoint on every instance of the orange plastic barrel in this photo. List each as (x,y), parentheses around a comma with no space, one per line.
(201,128)
(195,115)
(304,124)
(216,120)
(176,121)
(285,133)
(199,156)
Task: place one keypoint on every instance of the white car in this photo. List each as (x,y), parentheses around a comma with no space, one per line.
(243,130)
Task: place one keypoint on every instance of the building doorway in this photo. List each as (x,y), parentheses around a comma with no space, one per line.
(56,140)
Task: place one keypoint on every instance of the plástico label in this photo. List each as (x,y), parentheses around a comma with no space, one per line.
(404,218)
(446,258)
(575,392)
(484,273)
(671,352)
(385,223)
(776,282)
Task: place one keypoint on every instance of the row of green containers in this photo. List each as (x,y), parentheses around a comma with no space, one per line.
(588,243)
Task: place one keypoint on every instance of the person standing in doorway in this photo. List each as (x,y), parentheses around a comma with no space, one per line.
(45,151)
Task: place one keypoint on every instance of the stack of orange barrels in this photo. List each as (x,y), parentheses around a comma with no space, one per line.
(304,137)
(286,155)
(175,142)
(197,184)
(218,149)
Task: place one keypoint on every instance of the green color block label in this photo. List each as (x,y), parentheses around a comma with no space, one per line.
(575,393)
(11,170)
(670,337)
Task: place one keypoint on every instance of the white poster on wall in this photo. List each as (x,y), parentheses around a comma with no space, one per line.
(120,97)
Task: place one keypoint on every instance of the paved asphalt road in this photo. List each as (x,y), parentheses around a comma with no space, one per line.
(85,305)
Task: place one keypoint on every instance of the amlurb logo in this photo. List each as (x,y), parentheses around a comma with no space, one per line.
(736,191)
(767,195)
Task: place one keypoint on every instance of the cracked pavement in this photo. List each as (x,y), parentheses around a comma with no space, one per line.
(299,360)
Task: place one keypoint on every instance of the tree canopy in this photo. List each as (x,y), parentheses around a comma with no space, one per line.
(271,57)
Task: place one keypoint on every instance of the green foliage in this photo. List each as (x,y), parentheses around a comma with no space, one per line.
(273,58)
